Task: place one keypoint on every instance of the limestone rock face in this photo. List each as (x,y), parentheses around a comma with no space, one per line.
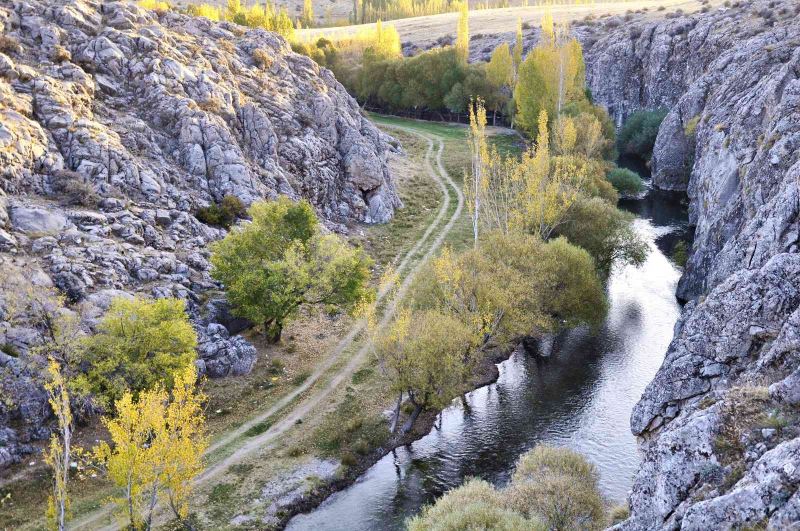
(718,426)
(116,125)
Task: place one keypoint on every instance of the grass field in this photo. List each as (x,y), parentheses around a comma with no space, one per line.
(424,31)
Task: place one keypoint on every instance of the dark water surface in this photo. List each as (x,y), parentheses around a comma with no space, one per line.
(581,397)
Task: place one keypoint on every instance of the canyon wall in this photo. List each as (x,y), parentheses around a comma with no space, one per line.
(718,425)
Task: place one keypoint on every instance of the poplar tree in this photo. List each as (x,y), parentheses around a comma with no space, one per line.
(308,13)
(517,55)
(59,451)
(500,69)
(480,157)
(462,34)
(158,443)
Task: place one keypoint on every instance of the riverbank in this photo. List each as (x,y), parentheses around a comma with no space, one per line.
(487,373)
(579,397)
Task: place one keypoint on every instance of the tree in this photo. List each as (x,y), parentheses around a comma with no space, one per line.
(551,76)
(605,232)
(58,453)
(462,34)
(500,69)
(280,262)
(480,158)
(517,53)
(158,443)
(533,92)
(140,344)
(548,28)
(424,361)
(308,13)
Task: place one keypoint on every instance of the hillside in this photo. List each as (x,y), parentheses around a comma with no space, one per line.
(719,423)
(117,126)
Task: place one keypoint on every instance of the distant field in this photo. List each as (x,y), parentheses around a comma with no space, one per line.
(424,31)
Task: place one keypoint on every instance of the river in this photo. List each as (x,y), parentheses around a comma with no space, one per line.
(580,397)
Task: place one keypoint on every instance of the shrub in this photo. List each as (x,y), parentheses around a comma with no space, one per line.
(558,486)
(680,254)
(619,513)
(61,54)
(223,214)
(262,58)
(638,135)
(625,181)
(139,344)
(552,488)
(691,126)
(9,350)
(9,45)
(74,189)
(475,505)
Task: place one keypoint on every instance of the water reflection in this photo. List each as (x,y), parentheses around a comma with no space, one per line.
(581,397)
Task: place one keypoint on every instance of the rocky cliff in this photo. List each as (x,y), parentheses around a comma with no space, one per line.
(116,125)
(719,423)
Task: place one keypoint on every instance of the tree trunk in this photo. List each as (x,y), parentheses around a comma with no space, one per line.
(464,403)
(396,417)
(273,331)
(412,419)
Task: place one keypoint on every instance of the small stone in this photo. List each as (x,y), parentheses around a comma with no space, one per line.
(768,433)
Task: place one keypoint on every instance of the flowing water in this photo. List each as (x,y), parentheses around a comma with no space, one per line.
(580,397)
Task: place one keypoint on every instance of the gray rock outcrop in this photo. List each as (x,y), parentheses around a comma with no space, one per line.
(719,426)
(116,125)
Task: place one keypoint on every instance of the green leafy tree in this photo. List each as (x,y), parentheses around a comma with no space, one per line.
(140,343)
(638,134)
(500,69)
(281,262)
(605,232)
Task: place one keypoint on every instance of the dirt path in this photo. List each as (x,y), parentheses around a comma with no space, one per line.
(315,397)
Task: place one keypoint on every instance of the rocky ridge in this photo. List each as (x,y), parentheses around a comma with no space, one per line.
(718,425)
(116,125)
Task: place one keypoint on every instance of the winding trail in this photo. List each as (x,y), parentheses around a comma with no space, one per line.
(243,446)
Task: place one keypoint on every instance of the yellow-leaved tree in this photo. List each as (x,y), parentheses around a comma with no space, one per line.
(479,150)
(59,451)
(156,451)
(551,76)
(308,13)
(517,53)
(462,33)
(500,70)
